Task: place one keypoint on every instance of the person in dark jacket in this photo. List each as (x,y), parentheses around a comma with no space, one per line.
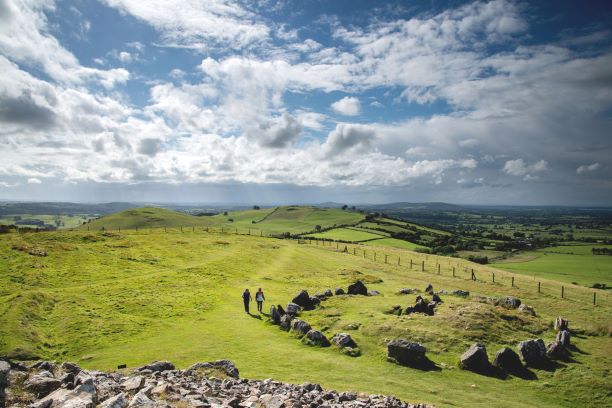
(259,298)
(246,298)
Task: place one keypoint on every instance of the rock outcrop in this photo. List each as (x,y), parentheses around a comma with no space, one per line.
(405,352)
(533,352)
(358,288)
(507,360)
(476,359)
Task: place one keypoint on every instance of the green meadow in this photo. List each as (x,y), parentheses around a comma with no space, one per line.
(107,298)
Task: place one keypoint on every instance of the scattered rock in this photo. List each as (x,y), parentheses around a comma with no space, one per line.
(226,366)
(84,396)
(275,316)
(507,360)
(407,291)
(134,383)
(118,401)
(460,293)
(509,302)
(561,324)
(42,384)
(436,298)
(373,293)
(280,310)
(343,340)
(476,359)
(293,309)
(300,327)
(404,352)
(339,291)
(533,352)
(563,337)
(395,310)
(358,288)
(157,366)
(429,289)
(527,310)
(328,293)
(71,368)
(303,300)
(316,338)
(140,399)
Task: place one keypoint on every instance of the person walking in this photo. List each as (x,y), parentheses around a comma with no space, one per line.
(259,298)
(246,298)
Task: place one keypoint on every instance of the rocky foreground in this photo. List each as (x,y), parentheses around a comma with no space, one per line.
(160,384)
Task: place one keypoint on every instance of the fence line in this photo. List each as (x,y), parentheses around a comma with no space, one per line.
(455,267)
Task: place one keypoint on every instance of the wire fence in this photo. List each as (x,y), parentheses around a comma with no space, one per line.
(457,268)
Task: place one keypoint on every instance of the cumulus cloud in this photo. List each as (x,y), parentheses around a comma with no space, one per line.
(588,168)
(349,106)
(279,132)
(34,180)
(518,167)
(348,136)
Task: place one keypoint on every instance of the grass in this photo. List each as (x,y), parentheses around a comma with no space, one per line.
(395,243)
(565,263)
(66,221)
(103,299)
(346,234)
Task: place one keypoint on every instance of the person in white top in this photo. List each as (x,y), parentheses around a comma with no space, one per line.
(259,298)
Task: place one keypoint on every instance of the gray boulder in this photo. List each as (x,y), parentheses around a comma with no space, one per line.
(460,293)
(303,300)
(436,298)
(563,337)
(158,366)
(405,352)
(316,338)
(293,309)
(507,360)
(339,291)
(408,291)
(227,366)
(373,293)
(429,289)
(358,288)
(83,396)
(509,302)
(132,384)
(343,340)
(275,316)
(300,327)
(5,367)
(285,322)
(556,351)
(42,384)
(527,310)
(533,352)
(328,293)
(561,324)
(118,401)
(475,358)
(71,368)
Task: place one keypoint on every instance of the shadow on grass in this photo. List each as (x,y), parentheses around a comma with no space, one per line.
(255,316)
(492,371)
(523,373)
(424,365)
(548,365)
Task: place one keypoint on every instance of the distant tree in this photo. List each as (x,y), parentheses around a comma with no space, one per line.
(318,227)
(17,218)
(256,207)
(344,207)
(230,219)
(224,212)
(353,208)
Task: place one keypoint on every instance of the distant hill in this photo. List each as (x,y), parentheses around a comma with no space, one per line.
(293,219)
(404,206)
(59,208)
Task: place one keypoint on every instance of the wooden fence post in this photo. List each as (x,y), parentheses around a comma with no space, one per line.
(423,266)
(594,298)
(374,256)
(513,281)
(193,228)
(410,263)
(354,251)
(236,231)
(438,269)
(453,271)
(539,283)
(181,228)
(385,258)
(473,276)
(562,291)
(364,254)
(493,277)
(398,261)
(336,244)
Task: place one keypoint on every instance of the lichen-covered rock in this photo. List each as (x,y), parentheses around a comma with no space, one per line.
(527,310)
(556,351)
(303,300)
(408,291)
(227,366)
(316,338)
(293,309)
(405,352)
(533,352)
(285,322)
(358,288)
(42,384)
(509,302)
(300,327)
(475,358)
(158,366)
(274,315)
(507,360)
(83,396)
(328,293)
(344,340)
(563,337)
(429,289)
(118,401)
(460,293)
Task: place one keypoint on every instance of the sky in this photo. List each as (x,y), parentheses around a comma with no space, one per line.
(475,102)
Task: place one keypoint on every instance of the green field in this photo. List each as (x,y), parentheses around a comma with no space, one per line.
(268,220)
(346,234)
(394,243)
(567,263)
(60,221)
(106,298)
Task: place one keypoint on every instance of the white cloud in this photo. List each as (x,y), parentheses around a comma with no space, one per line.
(518,167)
(125,57)
(349,106)
(34,180)
(588,168)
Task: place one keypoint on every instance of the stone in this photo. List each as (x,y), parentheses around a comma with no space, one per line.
(431,307)
(509,302)
(429,289)
(533,352)
(44,365)
(328,293)
(420,306)
(140,399)
(161,388)
(409,310)
(303,300)
(315,301)
(436,298)
(316,338)
(475,358)
(343,340)
(5,367)
(71,368)
(556,351)
(407,291)
(507,360)
(395,310)
(83,396)
(293,309)
(527,310)
(561,324)
(280,309)
(68,379)
(339,291)
(133,383)
(227,366)
(42,384)
(274,315)
(460,293)
(285,322)
(118,401)
(273,401)
(405,352)
(373,293)
(563,337)
(158,366)
(300,327)
(358,288)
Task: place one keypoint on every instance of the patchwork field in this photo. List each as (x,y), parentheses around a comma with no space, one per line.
(107,298)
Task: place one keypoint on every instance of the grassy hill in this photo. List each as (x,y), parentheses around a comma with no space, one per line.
(108,298)
(293,219)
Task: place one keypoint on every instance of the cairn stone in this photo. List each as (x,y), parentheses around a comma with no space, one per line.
(407,291)
(328,293)
(507,360)
(533,352)
(563,337)
(509,302)
(475,358)
(339,291)
(158,366)
(556,351)
(303,300)
(275,316)
(460,293)
(358,288)
(316,338)
(405,352)
(285,322)
(293,309)
(436,298)
(429,289)
(300,327)
(561,324)
(42,384)
(527,309)
(343,340)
